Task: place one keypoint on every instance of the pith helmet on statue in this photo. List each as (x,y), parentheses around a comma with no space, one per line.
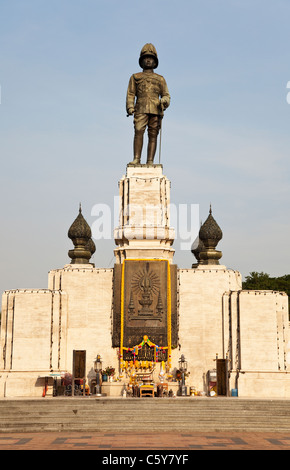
(148,50)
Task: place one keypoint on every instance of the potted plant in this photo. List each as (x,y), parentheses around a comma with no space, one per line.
(108,372)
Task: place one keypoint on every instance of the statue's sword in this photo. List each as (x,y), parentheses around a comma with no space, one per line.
(162,109)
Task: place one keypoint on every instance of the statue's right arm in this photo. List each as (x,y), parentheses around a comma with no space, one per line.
(131,94)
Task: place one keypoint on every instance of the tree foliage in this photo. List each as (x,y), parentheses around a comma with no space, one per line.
(262,281)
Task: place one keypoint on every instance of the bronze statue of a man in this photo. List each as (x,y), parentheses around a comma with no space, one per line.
(147,98)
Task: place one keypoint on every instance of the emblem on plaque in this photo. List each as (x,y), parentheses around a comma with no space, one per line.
(145,286)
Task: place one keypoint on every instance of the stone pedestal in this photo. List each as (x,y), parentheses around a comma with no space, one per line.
(144,218)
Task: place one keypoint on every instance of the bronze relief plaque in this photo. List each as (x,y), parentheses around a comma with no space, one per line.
(146,286)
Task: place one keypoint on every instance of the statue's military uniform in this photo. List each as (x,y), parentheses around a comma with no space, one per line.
(148,88)
(147,97)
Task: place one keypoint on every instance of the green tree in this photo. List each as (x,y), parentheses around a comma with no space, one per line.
(257,281)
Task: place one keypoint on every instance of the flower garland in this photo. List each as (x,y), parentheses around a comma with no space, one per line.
(122,310)
(169,313)
(135,349)
(145,338)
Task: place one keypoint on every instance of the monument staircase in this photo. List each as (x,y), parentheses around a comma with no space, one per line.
(89,414)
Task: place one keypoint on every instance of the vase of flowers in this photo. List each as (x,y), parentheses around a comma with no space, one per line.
(108,373)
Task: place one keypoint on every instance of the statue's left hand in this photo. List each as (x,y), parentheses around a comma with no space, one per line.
(164,103)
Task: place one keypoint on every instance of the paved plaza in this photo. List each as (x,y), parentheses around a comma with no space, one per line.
(146,441)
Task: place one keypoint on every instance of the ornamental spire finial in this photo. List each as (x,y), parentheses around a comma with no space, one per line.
(210,234)
(80,233)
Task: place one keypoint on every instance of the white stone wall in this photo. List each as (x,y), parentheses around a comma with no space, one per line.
(260,343)
(251,328)
(30,339)
(41,328)
(26,330)
(201,313)
(263,330)
(89,317)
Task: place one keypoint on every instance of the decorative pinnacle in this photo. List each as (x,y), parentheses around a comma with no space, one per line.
(210,231)
(80,233)
(210,234)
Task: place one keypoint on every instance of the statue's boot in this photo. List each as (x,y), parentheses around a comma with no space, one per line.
(151,150)
(138,145)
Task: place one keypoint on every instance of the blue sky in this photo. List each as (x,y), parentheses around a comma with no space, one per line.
(65,137)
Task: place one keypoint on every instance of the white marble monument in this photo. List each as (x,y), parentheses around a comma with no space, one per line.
(41,328)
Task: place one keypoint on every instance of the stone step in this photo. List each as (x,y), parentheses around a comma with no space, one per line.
(144,402)
(193,427)
(262,414)
(117,415)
